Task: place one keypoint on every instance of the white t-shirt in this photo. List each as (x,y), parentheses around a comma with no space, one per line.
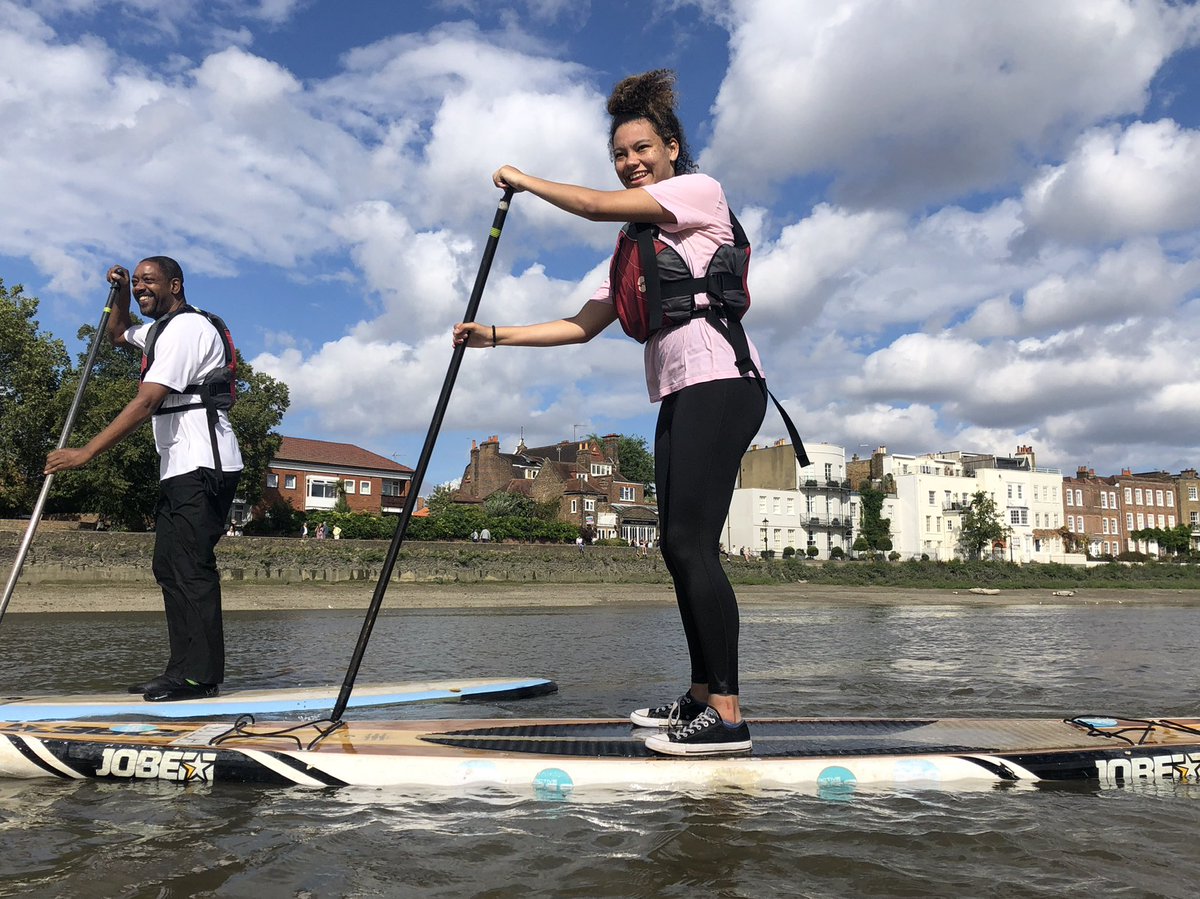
(188,349)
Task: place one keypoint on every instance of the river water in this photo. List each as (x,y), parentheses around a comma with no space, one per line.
(158,840)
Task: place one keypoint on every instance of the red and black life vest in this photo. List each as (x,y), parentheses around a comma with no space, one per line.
(216,390)
(653,288)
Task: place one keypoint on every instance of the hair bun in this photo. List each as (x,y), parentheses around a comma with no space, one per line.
(651,92)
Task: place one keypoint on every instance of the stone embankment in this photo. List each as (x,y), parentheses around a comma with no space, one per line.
(60,555)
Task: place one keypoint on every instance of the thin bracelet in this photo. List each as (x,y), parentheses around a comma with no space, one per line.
(493,335)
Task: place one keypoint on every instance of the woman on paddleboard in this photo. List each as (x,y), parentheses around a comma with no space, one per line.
(710,410)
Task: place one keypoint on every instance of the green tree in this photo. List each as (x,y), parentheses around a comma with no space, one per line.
(440,500)
(981,526)
(875,529)
(635,461)
(501,504)
(261,403)
(32,366)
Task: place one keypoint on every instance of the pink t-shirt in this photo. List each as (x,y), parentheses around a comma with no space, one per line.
(694,352)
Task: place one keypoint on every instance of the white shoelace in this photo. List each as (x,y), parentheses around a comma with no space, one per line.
(707,718)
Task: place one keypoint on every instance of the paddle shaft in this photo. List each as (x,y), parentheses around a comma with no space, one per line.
(68,426)
(439,413)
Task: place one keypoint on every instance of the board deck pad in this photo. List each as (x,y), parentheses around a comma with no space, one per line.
(270,701)
(551,758)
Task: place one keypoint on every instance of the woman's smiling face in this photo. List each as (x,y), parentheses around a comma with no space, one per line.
(640,156)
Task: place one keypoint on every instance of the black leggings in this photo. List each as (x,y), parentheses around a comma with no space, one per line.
(702,433)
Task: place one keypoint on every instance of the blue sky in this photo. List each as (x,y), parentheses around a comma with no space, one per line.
(975,224)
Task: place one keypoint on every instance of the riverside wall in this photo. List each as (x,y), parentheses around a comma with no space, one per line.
(70,555)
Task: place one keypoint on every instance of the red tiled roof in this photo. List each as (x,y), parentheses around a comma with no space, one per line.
(324,452)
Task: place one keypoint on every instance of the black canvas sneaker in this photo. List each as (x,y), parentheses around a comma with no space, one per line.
(707,734)
(673,714)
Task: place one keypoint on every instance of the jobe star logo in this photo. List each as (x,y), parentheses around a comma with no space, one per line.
(181,765)
(1180,766)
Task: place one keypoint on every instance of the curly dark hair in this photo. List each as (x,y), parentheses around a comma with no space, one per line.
(650,96)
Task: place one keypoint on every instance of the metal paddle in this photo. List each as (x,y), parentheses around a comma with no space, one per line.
(68,426)
(439,412)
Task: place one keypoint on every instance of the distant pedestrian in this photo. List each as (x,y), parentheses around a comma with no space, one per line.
(304,530)
(579,543)
(485,535)
(337,532)
(474,536)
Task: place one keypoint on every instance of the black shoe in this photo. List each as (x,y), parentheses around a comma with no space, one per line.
(673,714)
(706,735)
(177,692)
(154,685)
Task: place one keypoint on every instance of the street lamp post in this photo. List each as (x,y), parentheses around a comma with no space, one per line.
(765,550)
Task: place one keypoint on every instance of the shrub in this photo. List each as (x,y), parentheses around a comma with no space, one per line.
(893,556)
(789,551)
(837,553)
(812,552)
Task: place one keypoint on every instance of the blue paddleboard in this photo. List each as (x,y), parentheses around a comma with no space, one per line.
(269,701)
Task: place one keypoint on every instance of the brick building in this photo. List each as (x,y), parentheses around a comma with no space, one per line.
(584,477)
(1187,486)
(1148,500)
(1092,512)
(310,474)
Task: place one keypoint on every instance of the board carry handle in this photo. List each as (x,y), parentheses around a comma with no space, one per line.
(68,426)
(439,412)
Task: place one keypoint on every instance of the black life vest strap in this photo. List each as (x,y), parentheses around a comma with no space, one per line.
(649,260)
(210,411)
(731,329)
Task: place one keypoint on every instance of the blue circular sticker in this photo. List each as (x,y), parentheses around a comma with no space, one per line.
(836,783)
(554,784)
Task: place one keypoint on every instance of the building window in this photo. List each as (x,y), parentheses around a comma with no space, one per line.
(791,505)
(1079,497)
(322,489)
(574,506)
(1103,500)
(348,485)
(1104,522)
(1170,500)
(1069,497)
(1137,495)
(589,505)
(364,487)
(774,505)
(1141,521)
(392,487)
(628,494)
(828,471)
(272,480)
(1018,516)
(1193,492)
(601,470)
(1129,520)
(1128,495)
(289,481)
(933,497)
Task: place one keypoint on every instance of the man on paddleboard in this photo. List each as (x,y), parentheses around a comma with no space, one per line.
(187,388)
